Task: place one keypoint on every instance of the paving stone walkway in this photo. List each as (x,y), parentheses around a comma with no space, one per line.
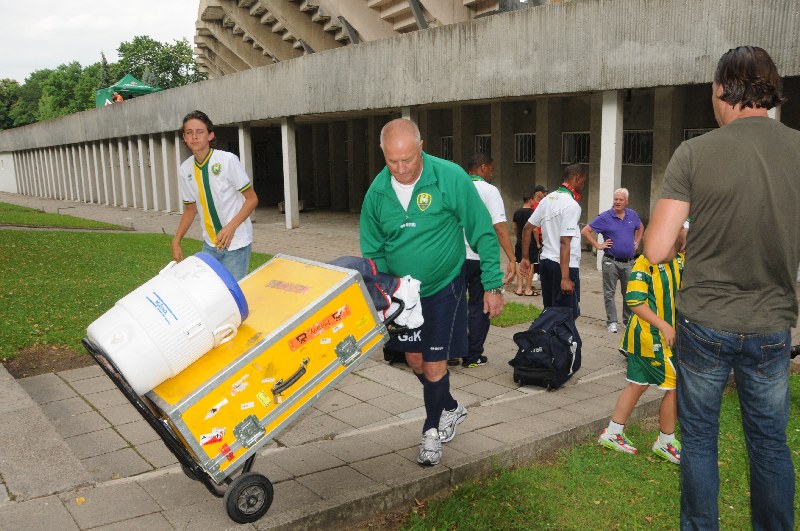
(91,462)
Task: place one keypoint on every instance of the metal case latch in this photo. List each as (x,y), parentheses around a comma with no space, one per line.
(248,431)
(348,350)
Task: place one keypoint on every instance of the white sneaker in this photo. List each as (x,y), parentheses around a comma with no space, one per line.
(430,449)
(448,422)
(612,328)
(536,277)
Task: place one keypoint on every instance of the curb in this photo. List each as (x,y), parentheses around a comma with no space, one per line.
(358,507)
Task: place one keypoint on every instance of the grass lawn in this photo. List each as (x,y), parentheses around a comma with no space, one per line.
(56,283)
(588,487)
(22,216)
(515,313)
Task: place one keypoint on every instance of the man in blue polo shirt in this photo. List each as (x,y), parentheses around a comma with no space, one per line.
(622,231)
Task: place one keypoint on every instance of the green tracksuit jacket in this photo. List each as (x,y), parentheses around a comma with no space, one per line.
(427,241)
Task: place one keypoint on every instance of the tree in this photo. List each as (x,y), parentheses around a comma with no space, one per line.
(26,109)
(9,95)
(166,65)
(105,72)
(50,93)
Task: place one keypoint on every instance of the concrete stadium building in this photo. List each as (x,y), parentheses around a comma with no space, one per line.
(300,89)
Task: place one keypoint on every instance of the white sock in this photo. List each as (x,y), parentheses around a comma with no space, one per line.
(664,438)
(615,428)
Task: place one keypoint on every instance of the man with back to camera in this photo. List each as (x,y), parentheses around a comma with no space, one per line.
(481,170)
(560,258)
(415,216)
(738,299)
(622,231)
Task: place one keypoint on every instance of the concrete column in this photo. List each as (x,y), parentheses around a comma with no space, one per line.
(408,113)
(357,159)
(76,173)
(142,162)
(113,173)
(60,173)
(90,179)
(22,172)
(667,134)
(246,148)
(85,180)
(289,150)
(178,144)
(98,186)
(337,133)
(30,155)
(51,183)
(48,167)
(124,173)
(137,182)
(610,152)
(592,190)
(18,178)
(103,148)
(41,191)
(155,165)
(83,171)
(48,178)
(65,167)
(775,113)
(463,135)
(41,174)
(320,165)
(19,171)
(63,170)
(502,131)
(548,142)
(34,186)
(170,172)
(375,160)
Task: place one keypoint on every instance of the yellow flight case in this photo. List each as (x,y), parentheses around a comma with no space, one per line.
(310,324)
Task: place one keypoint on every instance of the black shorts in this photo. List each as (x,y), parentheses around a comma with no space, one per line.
(444,333)
(551,287)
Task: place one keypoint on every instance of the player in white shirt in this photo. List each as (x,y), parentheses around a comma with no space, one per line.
(481,171)
(217,181)
(558,214)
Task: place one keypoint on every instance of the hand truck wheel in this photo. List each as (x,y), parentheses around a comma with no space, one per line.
(248,497)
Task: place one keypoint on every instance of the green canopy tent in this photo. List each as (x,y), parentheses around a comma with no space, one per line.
(128,87)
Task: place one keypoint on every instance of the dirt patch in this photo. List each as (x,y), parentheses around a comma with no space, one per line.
(35,360)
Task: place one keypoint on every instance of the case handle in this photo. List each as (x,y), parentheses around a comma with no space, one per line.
(281,386)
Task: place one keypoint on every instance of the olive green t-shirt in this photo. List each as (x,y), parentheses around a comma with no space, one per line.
(743,185)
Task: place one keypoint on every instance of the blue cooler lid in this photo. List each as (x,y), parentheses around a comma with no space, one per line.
(230,282)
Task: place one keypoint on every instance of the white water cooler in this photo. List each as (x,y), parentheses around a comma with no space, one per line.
(166,324)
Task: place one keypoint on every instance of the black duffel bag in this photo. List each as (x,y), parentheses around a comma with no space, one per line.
(549,351)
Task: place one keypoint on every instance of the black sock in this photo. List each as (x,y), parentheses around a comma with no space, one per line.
(449,402)
(437,396)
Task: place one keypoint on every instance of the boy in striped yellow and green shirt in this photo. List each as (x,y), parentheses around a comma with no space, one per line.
(648,341)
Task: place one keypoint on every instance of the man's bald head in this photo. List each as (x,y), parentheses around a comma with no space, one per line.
(402,150)
(399,127)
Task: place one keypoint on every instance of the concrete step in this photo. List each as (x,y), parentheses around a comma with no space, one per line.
(35,460)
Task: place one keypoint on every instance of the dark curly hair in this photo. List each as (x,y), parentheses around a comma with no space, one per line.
(749,78)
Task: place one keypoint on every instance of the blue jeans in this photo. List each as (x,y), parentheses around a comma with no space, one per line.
(760,364)
(236,261)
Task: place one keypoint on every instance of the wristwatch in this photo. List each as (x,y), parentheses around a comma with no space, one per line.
(495,291)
